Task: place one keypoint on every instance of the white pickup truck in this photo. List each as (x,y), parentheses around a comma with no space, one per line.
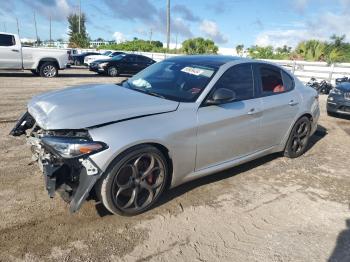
(40,61)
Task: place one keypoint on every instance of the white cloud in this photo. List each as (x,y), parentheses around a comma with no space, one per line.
(211,29)
(119,37)
(321,28)
(300,5)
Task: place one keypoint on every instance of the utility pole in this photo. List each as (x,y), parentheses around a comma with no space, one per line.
(18,27)
(150,36)
(176,42)
(36,31)
(50,43)
(79,15)
(5,30)
(168,26)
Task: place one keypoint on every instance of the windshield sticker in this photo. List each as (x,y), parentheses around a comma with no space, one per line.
(197,71)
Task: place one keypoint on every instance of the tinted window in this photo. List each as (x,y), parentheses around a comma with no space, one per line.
(271,80)
(142,59)
(7,40)
(288,81)
(239,79)
(130,58)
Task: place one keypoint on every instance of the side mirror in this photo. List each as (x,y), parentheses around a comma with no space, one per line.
(221,96)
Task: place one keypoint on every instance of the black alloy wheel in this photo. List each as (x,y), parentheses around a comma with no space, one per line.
(135,182)
(299,138)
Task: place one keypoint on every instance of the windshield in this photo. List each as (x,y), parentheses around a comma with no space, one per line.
(107,53)
(118,57)
(178,81)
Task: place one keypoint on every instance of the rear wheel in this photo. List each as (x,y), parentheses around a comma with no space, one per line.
(299,138)
(48,69)
(134,182)
(112,71)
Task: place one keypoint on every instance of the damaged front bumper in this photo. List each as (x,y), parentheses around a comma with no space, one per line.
(74,177)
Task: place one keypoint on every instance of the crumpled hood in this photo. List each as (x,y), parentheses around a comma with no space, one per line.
(91,105)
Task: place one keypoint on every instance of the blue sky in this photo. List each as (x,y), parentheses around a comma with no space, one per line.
(227,22)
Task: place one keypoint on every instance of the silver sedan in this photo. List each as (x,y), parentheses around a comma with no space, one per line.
(177,120)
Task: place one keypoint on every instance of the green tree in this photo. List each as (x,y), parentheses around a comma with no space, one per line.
(199,46)
(240,49)
(311,50)
(77,39)
(259,52)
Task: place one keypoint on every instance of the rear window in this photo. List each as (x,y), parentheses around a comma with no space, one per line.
(274,80)
(7,40)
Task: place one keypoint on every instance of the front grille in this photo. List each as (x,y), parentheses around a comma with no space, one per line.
(345,109)
(347,96)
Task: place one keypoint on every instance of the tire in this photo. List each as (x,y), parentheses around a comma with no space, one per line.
(329,113)
(134,182)
(35,72)
(112,71)
(48,70)
(298,138)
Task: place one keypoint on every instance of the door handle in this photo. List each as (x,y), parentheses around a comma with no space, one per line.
(293,103)
(251,111)
(15,50)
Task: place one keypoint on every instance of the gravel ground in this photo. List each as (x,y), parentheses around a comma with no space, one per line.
(272,209)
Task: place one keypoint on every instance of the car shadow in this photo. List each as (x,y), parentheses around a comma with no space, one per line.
(341,251)
(320,133)
(340,116)
(176,192)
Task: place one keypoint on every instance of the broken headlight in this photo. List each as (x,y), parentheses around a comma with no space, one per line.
(68,147)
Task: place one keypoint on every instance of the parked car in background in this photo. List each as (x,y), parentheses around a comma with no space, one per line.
(342,80)
(40,61)
(178,120)
(121,64)
(78,59)
(338,101)
(105,56)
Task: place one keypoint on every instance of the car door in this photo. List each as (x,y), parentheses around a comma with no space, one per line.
(128,64)
(229,131)
(280,103)
(10,52)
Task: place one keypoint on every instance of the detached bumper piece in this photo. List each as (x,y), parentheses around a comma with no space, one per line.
(72,179)
(24,123)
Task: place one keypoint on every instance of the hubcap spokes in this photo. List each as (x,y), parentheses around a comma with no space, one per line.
(138,182)
(49,71)
(300,137)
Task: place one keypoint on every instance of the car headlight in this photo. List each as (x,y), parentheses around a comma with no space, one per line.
(102,64)
(335,91)
(68,147)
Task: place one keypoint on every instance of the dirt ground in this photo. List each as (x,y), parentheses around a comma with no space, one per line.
(272,209)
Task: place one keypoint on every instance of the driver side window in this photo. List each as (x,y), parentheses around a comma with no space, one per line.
(239,79)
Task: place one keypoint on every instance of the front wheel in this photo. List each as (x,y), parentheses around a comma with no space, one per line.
(112,71)
(134,181)
(48,69)
(299,138)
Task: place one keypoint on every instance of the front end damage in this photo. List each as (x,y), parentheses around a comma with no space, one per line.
(63,157)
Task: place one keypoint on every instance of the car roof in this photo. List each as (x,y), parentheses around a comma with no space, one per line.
(208,60)
(344,84)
